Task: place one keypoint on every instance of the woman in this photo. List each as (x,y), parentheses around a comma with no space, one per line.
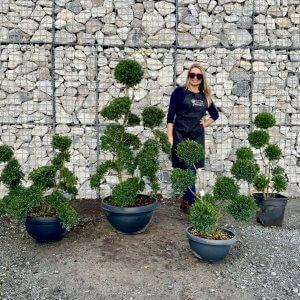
(188,106)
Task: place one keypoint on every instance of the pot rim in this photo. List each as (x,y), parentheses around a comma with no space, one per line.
(211,242)
(279,197)
(36,219)
(129,210)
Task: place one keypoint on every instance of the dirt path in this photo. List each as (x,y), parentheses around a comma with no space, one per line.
(95,262)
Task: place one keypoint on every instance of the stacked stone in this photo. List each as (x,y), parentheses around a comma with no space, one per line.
(93,35)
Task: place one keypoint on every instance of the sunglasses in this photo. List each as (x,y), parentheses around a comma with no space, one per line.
(193,75)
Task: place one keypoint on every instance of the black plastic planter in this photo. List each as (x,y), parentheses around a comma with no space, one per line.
(129,220)
(271,209)
(45,229)
(210,250)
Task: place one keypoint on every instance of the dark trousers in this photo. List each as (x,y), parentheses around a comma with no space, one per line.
(189,194)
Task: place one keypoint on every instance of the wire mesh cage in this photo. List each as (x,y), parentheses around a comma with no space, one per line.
(57,60)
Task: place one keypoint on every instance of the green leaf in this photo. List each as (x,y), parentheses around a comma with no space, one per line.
(112,137)
(258,138)
(190,152)
(181,180)
(100,172)
(163,140)
(43,177)
(264,120)
(125,193)
(67,181)
(273,152)
(129,72)
(62,143)
(12,174)
(225,188)
(204,216)
(242,208)
(278,171)
(244,169)
(279,183)
(260,182)
(152,116)
(5,153)
(65,211)
(244,153)
(133,120)
(117,108)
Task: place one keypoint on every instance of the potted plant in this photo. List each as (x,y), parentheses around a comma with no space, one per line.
(43,205)
(268,179)
(134,162)
(208,239)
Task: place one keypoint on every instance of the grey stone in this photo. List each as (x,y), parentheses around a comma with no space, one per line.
(93,25)
(163,37)
(136,38)
(74,6)
(165,8)
(239,74)
(239,37)
(64,37)
(190,20)
(241,89)
(244,22)
(152,22)
(18,36)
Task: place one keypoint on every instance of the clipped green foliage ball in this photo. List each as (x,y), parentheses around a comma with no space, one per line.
(244,169)
(181,180)
(61,143)
(242,207)
(273,152)
(244,153)
(278,171)
(258,138)
(264,120)
(128,72)
(204,216)
(190,152)
(116,108)
(12,174)
(124,194)
(225,188)
(44,177)
(279,183)
(260,182)
(5,153)
(163,140)
(152,116)
(133,120)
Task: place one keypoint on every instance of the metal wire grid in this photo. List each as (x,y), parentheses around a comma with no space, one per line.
(58,58)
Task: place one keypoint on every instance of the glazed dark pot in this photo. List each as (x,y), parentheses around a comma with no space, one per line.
(45,229)
(210,250)
(271,209)
(129,220)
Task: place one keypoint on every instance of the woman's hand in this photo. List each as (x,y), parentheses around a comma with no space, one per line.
(170,140)
(206,123)
(203,123)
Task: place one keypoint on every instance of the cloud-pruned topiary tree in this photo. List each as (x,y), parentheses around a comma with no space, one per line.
(133,161)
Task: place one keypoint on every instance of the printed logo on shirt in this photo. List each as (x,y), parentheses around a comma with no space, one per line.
(197,102)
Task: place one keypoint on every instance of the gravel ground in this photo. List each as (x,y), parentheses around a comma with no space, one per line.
(95,262)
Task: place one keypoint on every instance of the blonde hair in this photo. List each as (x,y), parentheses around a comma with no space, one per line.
(204,85)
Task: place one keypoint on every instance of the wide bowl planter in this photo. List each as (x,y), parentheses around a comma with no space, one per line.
(45,229)
(129,220)
(210,250)
(271,209)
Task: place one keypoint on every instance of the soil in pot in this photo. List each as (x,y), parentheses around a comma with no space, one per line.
(141,200)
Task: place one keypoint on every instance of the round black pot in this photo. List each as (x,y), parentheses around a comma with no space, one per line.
(271,209)
(45,229)
(210,250)
(129,220)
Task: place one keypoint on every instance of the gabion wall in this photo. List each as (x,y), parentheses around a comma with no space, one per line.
(57,59)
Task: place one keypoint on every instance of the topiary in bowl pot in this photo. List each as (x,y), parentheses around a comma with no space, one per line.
(266,176)
(135,162)
(208,239)
(43,205)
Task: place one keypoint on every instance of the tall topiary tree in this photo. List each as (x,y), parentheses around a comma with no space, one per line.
(269,177)
(46,196)
(133,161)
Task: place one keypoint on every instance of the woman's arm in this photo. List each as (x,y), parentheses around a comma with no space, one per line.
(214,115)
(170,133)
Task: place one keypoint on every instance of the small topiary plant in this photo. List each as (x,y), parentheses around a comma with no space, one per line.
(133,161)
(207,211)
(46,196)
(270,177)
